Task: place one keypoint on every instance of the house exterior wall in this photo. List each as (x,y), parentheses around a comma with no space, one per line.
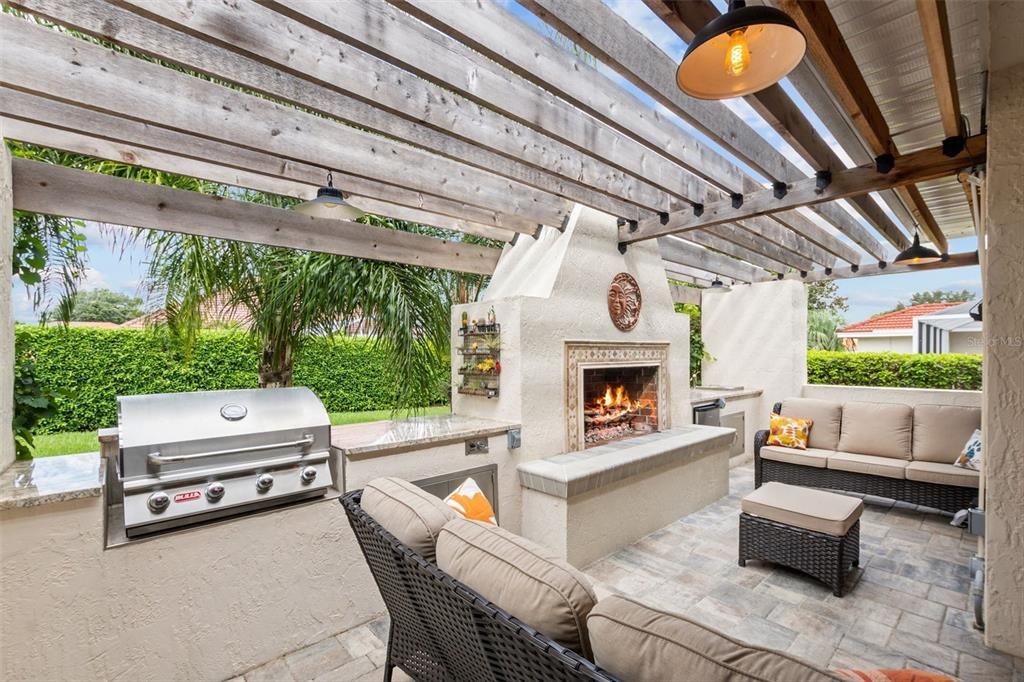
(884,344)
(757,337)
(1002,273)
(969,343)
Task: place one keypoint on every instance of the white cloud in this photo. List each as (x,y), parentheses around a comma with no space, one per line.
(92,279)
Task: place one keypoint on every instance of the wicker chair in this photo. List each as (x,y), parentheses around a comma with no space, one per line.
(948,498)
(442,630)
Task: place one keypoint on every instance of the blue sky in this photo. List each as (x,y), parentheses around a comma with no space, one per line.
(113,267)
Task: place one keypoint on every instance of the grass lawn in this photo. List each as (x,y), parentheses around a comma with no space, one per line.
(48,445)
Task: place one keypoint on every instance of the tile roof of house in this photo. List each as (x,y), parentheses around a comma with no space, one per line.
(215,312)
(897,319)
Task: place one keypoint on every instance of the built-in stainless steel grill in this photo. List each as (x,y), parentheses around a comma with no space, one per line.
(190,457)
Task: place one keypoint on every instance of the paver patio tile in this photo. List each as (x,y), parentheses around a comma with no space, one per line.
(922,627)
(274,671)
(747,600)
(896,582)
(378,657)
(953,598)
(934,654)
(812,649)
(959,618)
(714,613)
(380,627)
(760,632)
(871,632)
(799,583)
(900,600)
(352,670)
(360,641)
(971,642)
(310,661)
(804,622)
(783,594)
(875,656)
(977,670)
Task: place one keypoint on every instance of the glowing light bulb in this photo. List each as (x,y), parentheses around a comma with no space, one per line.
(737,55)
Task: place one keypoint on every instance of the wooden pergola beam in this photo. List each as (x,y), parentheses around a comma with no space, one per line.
(415,215)
(681,294)
(676,250)
(780,259)
(837,65)
(56,190)
(711,241)
(50,123)
(935,28)
(683,273)
(780,112)
(953,260)
(42,61)
(596,28)
(910,168)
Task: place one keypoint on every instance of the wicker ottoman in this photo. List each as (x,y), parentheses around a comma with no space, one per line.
(808,530)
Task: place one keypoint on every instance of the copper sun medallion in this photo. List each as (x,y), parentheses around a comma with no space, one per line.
(624,301)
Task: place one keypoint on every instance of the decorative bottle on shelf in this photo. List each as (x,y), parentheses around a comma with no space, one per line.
(465,321)
(491,319)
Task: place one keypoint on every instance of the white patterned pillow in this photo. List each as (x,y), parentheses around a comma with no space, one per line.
(970,458)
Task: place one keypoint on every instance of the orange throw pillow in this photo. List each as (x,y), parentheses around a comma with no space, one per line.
(789,432)
(901,675)
(469,501)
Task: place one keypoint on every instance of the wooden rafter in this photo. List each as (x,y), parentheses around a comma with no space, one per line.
(832,56)
(780,112)
(677,250)
(684,273)
(84,131)
(954,260)
(57,66)
(597,29)
(935,27)
(56,190)
(918,166)
(711,241)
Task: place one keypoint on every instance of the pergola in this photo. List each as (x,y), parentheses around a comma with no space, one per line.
(461,116)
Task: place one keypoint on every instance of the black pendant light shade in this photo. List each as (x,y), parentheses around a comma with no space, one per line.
(917,254)
(717,287)
(329,203)
(740,52)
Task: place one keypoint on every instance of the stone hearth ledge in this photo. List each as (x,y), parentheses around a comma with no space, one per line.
(703,394)
(49,480)
(574,473)
(399,435)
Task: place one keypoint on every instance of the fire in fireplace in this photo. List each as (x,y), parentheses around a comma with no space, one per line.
(621,402)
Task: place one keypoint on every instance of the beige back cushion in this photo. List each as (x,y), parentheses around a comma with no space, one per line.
(411,514)
(827,417)
(521,577)
(941,431)
(881,429)
(637,642)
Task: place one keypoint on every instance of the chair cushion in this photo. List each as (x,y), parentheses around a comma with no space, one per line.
(940,431)
(826,415)
(408,512)
(943,474)
(789,432)
(868,464)
(793,505)
(521,577)
(811,457)
(636,642)
(880,429)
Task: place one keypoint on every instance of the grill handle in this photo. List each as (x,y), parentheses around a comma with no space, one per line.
(157,459)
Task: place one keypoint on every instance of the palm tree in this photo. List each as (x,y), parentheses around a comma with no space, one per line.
(822,326)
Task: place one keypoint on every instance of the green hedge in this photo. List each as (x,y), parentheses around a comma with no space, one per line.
(901,370)
(88,368)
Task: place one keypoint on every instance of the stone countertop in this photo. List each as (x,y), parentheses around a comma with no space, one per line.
(704,394)
(574,473)
(48,480)
(415,433)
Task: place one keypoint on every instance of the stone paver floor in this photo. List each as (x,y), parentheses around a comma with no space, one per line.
(907,606)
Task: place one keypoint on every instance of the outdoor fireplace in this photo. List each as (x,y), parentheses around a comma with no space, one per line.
(615,391)
(619,402)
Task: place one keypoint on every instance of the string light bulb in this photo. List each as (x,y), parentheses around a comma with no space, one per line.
(737,55)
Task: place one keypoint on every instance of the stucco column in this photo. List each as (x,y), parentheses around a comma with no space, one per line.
(1003,382)
(757,337)
(6,321)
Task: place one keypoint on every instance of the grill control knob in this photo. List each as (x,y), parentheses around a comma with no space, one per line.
(308,474)
(158,502)
(264,483)
(214,492)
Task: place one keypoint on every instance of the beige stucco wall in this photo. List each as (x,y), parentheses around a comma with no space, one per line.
(757,335)
(6,322)
(1003,274)
(906,396)
(552,290)
(885,344)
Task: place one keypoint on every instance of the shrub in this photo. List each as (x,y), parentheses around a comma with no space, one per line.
(89,368)
(899,370)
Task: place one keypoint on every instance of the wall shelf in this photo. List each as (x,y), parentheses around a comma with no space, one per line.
(483,382)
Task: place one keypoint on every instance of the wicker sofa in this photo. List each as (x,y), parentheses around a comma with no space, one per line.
(884,449)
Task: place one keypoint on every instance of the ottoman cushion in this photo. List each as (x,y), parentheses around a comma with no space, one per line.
(806,508)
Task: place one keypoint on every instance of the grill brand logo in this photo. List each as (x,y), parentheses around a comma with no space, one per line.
(188,496)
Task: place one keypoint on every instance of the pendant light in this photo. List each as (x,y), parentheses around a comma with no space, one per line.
(917,254)
(717,287)
(740,52)
(329,203)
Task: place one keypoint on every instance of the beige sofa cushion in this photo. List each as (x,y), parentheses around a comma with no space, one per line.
(868,464)
(941,431)
(827,417)
(943,474)
(636,642)
(521,577)
(811,457)
(793,505)
(880,429)
(408,512)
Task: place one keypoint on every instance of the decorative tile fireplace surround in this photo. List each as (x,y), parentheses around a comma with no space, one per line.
(614,391)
